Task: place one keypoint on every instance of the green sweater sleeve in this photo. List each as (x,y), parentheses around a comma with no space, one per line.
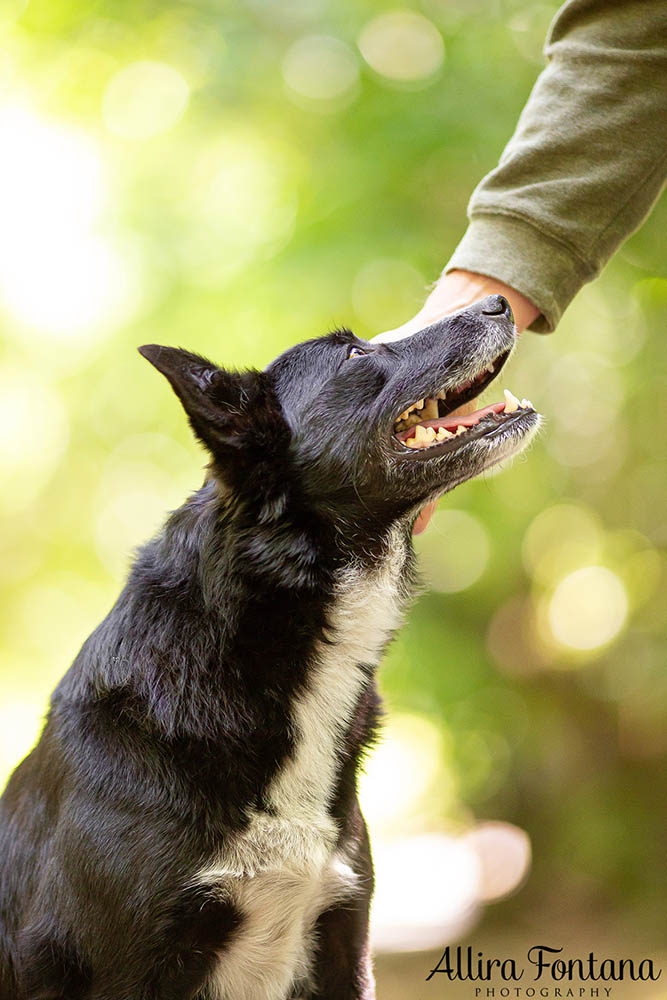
(587,161)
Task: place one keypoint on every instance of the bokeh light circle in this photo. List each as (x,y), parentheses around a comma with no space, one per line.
(403,46)
(561,538)
(588,608)
(426,891)
(144,99)
(504,854)
(454,553)
(321,69)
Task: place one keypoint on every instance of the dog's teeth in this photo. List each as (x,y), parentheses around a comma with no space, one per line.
(461,430)
(426,436)
(421,438)
(430,410)
(527,405)
(511,402)
(415,406)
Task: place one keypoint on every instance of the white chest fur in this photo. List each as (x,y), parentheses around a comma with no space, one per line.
(284,869)
(363,617)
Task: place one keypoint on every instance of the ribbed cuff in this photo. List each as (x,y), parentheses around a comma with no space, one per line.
(517,253)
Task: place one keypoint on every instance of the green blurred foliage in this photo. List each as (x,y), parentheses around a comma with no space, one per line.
(272,207)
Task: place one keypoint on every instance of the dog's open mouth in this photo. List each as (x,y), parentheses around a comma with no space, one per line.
(434,420)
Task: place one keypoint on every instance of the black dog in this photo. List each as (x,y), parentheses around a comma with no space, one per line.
(188,825)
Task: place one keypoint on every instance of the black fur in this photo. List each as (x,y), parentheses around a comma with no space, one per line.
(176,714)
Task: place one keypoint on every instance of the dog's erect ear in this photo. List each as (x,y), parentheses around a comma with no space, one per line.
(230,412)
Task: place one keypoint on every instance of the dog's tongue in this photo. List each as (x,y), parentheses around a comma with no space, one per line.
(455,419)
(425,515)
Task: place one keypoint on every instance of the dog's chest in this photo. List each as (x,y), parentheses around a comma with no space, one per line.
(286,868)
(278,877)
(362,619)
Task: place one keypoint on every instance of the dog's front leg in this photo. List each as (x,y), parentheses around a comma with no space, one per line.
(343,969)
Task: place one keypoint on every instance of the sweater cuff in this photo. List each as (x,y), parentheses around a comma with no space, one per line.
(516,253)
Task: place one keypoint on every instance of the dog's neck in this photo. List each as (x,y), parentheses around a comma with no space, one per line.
(245,624)
(361,619)
(255,690)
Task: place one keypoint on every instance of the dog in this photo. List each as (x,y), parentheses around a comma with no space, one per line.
(188,825)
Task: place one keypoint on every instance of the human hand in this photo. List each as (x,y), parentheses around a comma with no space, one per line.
(456,290)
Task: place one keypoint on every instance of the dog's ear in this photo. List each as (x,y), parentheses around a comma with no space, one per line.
(235,414)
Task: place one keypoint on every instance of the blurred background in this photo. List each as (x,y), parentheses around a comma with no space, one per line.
(232,178)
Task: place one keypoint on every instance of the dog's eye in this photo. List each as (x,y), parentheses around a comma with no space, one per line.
(356,352)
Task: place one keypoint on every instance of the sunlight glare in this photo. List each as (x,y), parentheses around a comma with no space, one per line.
(401,771)
(57,275)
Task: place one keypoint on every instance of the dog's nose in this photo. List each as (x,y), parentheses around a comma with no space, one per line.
(497,305)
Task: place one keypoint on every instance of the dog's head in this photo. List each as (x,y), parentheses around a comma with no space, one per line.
(368,431)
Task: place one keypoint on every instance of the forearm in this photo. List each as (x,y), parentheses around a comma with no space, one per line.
(586,162)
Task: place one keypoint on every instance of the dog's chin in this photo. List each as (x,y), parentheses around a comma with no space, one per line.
(496,439)
(497,444)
